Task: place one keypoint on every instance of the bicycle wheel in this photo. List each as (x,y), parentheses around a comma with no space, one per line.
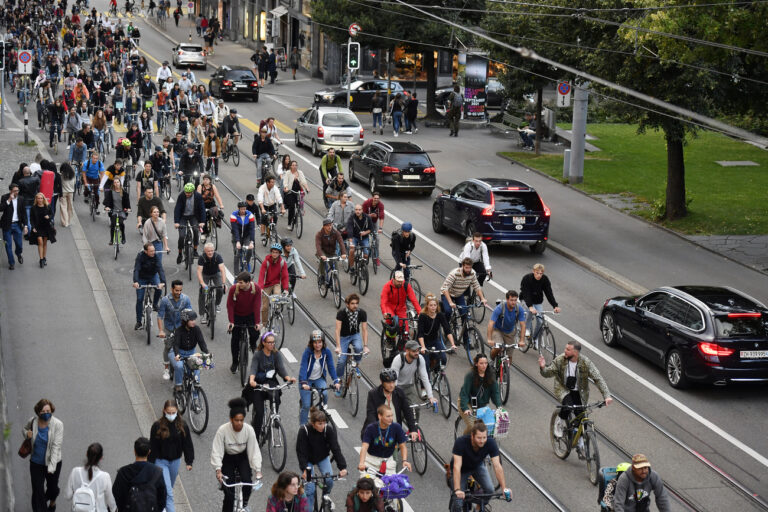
(278,327)
(560,445)
(387,349)
(181,401)
(266,237)
(213,235)
(592,455)
(225,154)
(212,311)
(291,309)
(322,286)
(504,382)
(418,453)
(353,393)
(235,155)
(489,468)
(444,392)
(416,289)
(478,308)
(243,363)
(148,319)
(362,280)
(198,410)
(336,290)
(116,240)
(93,207)
(547,347)
(474,343)
(299,222)
(276,445)
(188,259)
(353,274)
(459,428)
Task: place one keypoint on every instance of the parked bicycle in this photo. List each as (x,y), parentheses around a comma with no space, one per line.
(191,397)
(272,432)
(578,434)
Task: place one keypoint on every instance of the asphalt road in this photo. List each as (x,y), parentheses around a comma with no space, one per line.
(721,424)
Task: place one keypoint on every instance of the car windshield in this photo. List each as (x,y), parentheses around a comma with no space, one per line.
(192,48)
(401,160)
(517,201)
(740,327)
(340,120)
(240,75)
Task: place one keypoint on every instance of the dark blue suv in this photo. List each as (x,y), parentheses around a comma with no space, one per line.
(504,211)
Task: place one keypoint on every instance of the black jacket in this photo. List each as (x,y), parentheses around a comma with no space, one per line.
(181,202)
(172,447)
(28,189)
(313,446)
(146,267)
(400,244)
(188,339)
(260,147)
(138,472)
(532,291)
(7,212)
(109,200)
(355,225)
(400,403)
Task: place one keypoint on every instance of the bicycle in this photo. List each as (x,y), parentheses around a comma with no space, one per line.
(243,261)
(317,399)
(577,427)
(475,500)
(192,393)
(417,448)
(164,184)
(349,381)
(275,321)
(146,307)
(298,216)
(231,151)
(323,502)
(146,143)
(188,241)
(117,236)
(272,432)
(464,331)
(92,204)
(477,306)
(394,336)
(239,505)
(78,167)
(393,499)
(542,338)
(460,427)
(291,307)
(212,228)
(375,251)
(270,235)
(410,279)
(243,350)
(501,366)
(167,125)
(331,281)
(55,129)
(209,304)
(438,379)
(358,271)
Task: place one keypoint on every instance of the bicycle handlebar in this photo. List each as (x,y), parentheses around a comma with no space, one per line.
(587,406)
(256,485)
(445,350)
(264,387)
(352,354)
(326,476)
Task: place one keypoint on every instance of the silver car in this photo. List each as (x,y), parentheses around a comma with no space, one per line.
(322,128)
(188,54)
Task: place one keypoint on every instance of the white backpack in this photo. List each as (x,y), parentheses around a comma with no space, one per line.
(84,499)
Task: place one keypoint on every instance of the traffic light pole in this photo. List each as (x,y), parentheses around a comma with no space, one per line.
(349,71)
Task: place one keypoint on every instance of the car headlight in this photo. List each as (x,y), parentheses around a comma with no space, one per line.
(328,96)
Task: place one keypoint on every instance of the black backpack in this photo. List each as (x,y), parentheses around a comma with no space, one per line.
(142,496)
(396,233)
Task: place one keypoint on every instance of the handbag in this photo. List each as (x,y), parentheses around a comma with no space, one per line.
(26,448)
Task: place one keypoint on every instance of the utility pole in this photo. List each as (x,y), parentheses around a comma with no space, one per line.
(578,133)
(353,57)
(349,71)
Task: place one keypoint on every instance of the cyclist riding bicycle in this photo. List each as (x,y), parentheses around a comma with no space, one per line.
(147,90)
(273,276)
(243,308)
(316,360)
(189,163)
(292,259)
(501,327)
(316,443)
(56,118)
(161,165)
(210,266)
(477,251)
(263,152)
(533,288)
(380,439)
(123,151)
(456,283)
(169,319)
(402,243)
(189,207)
(572,372)
(243,226)
(269,199)
(178,148)
(335,189)
(117,203)
(430,324)
(212,200)
(359,227)
(229,124)
(116,171)
(363,497)
(340,212)
(387,393)
(394,295)
(186,339)
(266,365)
(410,365)
(481,385)
(374,208)
(147,269)
(326,241)
(351,330)
(330,166)
(147,179)
(92,172)
(236,449)
(78,152)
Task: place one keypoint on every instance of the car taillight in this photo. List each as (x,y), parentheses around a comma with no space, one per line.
(547,213)
(320,132)
(429,170)
(389,170)
(254,84)
(488,210)
(362,133)
(228,83)
(181,52)
(713,349)
(744,315)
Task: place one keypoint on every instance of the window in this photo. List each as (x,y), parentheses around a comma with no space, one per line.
(694,319)
(305,116)
(459,189)
(518,202)
(312,117)
(674,310)
(739,327)
(341,120)
(405,160)
(475,193)
(651,302)
(377,154)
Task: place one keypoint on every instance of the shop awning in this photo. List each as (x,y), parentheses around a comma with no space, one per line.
(278,11)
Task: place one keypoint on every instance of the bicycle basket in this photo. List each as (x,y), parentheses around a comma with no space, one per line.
(396,487)
(198,362)
(501,430)
(149,104)
(487,415)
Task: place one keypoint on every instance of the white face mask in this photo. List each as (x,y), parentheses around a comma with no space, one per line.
(171,417)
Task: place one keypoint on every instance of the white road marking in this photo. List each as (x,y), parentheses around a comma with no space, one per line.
(337,419)
(288,355)
(634,376)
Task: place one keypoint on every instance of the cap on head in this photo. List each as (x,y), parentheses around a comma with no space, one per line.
(407,226)
(327,221)
(399,276)
(412,345)
(640,461)
(158,148)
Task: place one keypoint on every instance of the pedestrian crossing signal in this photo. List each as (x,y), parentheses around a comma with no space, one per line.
(353,56)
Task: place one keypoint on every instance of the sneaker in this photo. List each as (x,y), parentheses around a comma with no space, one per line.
(559,425)
(138,326)
(217,178)
(394,134)
(179,258)
(218,309)
(202,238)
(415,130)
(233,368)
(166,374)
(409,132)
(337,393)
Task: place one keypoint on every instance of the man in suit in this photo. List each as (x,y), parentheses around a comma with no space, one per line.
(13,223)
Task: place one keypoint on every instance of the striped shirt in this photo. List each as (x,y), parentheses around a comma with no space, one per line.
(456,283)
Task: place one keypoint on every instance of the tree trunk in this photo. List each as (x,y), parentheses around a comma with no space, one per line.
(539,94)
(675,204)
(429,65)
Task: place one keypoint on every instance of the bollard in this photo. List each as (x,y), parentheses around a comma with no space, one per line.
(566,163)
(26,125)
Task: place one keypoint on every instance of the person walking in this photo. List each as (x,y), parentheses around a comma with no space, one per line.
(169,439)
(411,111)
(13,223)
(46,434)
(377,111)
(633,488)
(294,61)
(396,107)
(142,475)
(67,191)
(42,227)
(94,479)
(453,110)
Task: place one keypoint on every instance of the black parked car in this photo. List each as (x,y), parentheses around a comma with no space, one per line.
(503,211)
(234,81)
(696,333)
(393,165)
(361,92)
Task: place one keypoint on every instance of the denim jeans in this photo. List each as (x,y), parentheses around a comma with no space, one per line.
(377,120)
(529,321)
(324,467)
(264,157)
(397,119)
(29,219)
(178,366)
(364,242)
(140,295)
(481,476)
(438,344)
(158,250)
(170,472)
(306,398)
(11,236)
(356,340)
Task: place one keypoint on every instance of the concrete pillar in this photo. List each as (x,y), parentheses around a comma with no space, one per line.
(579,133)
(566,164)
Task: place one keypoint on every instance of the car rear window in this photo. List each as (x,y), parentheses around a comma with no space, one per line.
(518,201)
(740,327)
(240,75)
(188,48)
(401,160)
(340,120)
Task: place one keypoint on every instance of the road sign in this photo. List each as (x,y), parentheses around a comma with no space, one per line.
(354,29)
(353,56)
(25,62)
(563,94)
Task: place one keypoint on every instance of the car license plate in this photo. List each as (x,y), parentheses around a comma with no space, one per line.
(518,220)
(753,354)
(343,138)
(411,177)
(240,86)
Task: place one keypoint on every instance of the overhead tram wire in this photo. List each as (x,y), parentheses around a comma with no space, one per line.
(733,131)
(574,10)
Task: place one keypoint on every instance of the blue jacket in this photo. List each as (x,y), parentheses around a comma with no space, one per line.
(243,228)
(308,361)
(181,202)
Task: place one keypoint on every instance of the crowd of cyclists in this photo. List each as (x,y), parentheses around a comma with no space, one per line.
(96,81)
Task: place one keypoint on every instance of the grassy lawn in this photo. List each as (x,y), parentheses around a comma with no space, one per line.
(722,200)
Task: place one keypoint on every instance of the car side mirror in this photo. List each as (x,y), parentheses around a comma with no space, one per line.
(446,192)
(631,301)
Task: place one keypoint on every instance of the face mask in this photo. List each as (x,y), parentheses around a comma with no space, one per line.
(45,416)
(171,417)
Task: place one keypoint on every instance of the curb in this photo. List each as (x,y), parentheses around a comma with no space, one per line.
(644,220)
(5,467)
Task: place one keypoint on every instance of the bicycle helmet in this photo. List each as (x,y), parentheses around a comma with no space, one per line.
(287,241)
(388,375)
(233,111)
(127,143)
(158,148)
(189,188)
(407,226)
(242,204)
(623,467)
(276,247)
(187,314)
(317,334)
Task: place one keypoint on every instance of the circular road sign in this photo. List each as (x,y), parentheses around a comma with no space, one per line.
(564,88)
(354,29)
(25,57)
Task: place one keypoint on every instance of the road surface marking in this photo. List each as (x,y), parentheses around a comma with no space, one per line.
(340,423)
(288,355)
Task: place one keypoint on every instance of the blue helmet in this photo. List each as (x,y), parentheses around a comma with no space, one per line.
(276,247)
(406,226)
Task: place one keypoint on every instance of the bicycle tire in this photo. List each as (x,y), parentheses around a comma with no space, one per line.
(213,235)
(336,290)
(116,241)
(212,311)
(353,274)
(478,309)
(444,392)
(418,452)
(92,205)
(459,427)
(276,445)
(148,319)
(363,280)
(388,348)
(504,382)
(167,190)
(345,264)
(243,363)
(181,401)
(353,393)
(198,420)
(592,455)
(277,326)
(225,154)
(547,346)
(416,289)
(291,309)
(299,222)
(322,286)
(560,445)
(188,259)
(235,156)
(474,344)
(528,339)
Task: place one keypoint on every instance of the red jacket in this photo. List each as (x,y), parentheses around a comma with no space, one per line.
(272,273)
(246,303)
(393,299)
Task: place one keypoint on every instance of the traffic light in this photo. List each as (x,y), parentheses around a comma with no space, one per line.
(2,55)
(353,56)
(269,28)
